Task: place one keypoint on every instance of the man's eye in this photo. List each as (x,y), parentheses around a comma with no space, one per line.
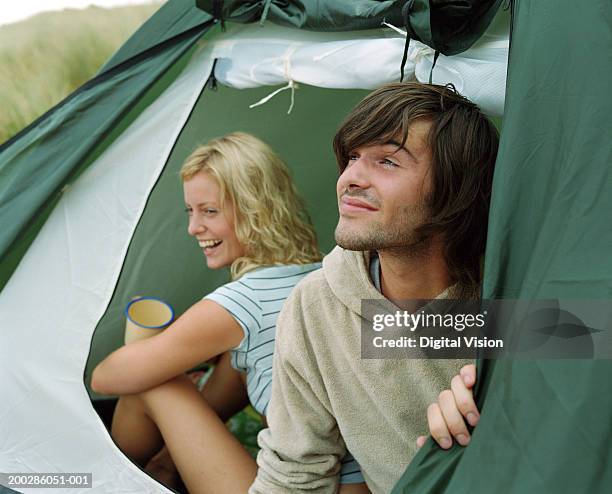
(351,158)
(388,163)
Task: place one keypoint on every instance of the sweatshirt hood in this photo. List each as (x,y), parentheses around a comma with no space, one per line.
(347,273)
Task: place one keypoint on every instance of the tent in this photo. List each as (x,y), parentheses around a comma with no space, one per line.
(90,199)
(545,424)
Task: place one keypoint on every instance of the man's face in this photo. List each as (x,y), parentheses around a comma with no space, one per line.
(383,191)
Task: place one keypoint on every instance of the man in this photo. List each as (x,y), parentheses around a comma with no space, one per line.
(416,164)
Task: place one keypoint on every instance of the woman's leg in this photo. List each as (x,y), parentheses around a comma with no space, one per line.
(226,393)
(209,458)
(134,432)
(225,390)
(139,438)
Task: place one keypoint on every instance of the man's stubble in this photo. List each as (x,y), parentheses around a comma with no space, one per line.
(401,237)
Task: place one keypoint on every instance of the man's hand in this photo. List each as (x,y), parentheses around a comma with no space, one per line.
(446,417)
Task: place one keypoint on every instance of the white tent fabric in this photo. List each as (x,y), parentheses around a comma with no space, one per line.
(48,424)
(250,56)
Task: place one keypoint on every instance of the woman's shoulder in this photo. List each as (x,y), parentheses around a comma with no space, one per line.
(279,274)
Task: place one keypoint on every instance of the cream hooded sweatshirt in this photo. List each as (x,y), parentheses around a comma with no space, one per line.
(326,399)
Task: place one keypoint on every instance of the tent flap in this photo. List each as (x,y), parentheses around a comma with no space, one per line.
(447,26)
(172,19)
(545,424)
(317,15)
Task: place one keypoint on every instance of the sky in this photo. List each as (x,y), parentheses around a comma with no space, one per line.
(13,11)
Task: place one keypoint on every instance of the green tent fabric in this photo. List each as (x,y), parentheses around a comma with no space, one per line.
(171,20)
(32,175)
(448,26)
(320,15)
(545,425)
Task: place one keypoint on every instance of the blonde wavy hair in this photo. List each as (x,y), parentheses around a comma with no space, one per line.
(270,219)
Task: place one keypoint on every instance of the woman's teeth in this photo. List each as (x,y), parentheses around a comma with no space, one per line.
(209,243)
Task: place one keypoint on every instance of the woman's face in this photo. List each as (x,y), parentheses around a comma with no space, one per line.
(210,222)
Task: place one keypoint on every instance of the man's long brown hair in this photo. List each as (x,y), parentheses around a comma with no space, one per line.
(464,145)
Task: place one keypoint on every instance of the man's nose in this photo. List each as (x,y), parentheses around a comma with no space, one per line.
(356,175)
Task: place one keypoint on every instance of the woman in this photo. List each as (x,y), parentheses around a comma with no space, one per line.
(245,213)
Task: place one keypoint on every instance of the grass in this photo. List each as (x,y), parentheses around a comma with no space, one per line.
(46,57)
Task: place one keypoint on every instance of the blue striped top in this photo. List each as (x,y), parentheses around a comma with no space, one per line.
(255,301)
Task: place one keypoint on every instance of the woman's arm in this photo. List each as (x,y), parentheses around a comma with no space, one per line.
(203,331)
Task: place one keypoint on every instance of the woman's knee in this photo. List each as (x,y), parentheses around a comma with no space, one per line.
(128,406)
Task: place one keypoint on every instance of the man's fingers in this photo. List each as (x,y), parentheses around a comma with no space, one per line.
(437,426)
(468,374)
(453,419)
(420,441)
(464,398)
